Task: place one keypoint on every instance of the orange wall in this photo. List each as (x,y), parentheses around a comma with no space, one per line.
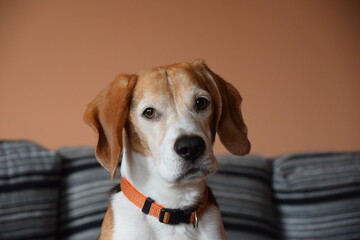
(296,64)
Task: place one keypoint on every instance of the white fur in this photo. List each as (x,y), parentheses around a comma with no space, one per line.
(131,223)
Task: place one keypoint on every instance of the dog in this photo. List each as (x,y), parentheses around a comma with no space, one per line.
(162,124)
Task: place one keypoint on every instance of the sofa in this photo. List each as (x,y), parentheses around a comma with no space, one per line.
(63,194)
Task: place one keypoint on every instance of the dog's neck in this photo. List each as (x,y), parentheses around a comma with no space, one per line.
(142,174)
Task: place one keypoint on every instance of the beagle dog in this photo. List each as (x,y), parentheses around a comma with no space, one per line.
(162,125)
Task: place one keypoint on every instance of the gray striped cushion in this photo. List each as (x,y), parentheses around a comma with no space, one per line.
(318,195)
(243,190)
(84,196)
(29,185)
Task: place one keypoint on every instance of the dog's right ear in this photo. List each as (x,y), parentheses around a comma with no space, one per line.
(107,115)
(230,124)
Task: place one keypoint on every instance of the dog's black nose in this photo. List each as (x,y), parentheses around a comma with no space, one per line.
(190,147)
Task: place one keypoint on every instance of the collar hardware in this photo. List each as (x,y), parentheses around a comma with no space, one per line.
(147,205)
(176,216)
(196,222)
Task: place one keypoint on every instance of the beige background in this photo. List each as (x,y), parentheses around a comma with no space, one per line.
(296,64)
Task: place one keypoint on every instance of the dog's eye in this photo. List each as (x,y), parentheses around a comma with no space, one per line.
(149,113)
(201,104)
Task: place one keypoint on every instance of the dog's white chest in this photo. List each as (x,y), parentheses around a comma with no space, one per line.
(131,223)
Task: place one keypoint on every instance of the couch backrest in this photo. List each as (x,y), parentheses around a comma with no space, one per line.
(318,195)
(29,191)
(84,194)
(63,195)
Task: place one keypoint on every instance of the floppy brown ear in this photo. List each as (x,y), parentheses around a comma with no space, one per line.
(231,127)
(107,115)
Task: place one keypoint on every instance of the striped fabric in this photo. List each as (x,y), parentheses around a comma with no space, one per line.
(29,186)
(84,196)
(44,195)
(243,191)
(318,195)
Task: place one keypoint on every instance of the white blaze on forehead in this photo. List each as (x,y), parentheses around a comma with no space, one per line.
(172,90)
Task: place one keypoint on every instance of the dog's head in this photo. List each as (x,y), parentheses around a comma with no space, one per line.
(172,115)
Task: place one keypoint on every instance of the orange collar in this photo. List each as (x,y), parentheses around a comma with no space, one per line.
(165,215)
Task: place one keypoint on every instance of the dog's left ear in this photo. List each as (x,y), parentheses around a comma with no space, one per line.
(107,115)
(230,124)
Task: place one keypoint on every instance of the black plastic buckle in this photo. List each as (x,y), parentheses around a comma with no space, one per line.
(176,215)
(147,205)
